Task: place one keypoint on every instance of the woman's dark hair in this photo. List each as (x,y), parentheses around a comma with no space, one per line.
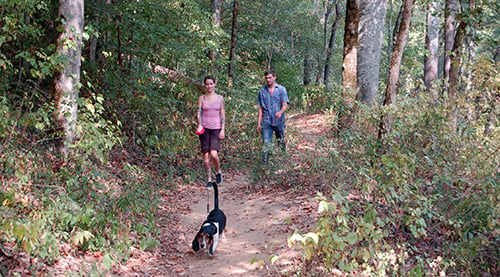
(210,78)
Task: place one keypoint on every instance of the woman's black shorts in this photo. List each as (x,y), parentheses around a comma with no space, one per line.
(209,140)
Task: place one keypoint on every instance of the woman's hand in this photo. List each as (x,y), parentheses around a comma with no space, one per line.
(200,130)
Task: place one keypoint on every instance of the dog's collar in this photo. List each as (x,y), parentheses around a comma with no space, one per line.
(216,224)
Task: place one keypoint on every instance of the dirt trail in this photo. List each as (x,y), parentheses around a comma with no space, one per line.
(259,221)
(258,225)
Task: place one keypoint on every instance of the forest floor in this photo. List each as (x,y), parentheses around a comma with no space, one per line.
(259,222)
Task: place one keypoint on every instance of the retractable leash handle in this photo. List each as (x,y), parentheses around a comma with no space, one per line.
(200,131)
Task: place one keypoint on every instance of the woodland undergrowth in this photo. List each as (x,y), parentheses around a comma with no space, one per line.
(423,201)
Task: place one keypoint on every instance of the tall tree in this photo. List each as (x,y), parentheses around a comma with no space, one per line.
(394,67)
(345,114)
(432,45)
(232,52)
(371,25)
(216,11)
(455,71)
(66,82)
(308,68)
(397,52)
(217,22)
(392,33)
(451,9)
(328,9)
(349,63)
(331,43)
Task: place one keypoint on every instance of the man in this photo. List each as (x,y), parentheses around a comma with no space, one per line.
(273,101)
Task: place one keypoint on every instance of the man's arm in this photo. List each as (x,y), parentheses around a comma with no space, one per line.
(284,105)
(259,119)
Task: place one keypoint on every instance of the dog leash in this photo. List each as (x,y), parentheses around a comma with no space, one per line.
(208,200)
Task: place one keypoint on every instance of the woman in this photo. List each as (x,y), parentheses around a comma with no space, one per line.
(211,125)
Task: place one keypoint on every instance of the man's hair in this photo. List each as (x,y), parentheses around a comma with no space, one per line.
(269,72)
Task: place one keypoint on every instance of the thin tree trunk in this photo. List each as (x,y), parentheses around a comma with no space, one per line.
(216,12)
(216,16)
(232,52)
(119,40)
(65,93)
(396,57)
(307,67)
(93,48)
(454,76)
(321,56)
(390,31)
(349,63)
(431,59)
(451,9)
(393,36)
(346,112)
(338,12)
(371,25)
(397,52)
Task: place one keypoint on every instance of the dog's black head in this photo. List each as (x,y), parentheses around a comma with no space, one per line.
(205,236)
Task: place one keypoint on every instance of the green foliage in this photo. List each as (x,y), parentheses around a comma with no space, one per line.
(318,98)
(423,201)
(340,231)
(97,136)
(427,203)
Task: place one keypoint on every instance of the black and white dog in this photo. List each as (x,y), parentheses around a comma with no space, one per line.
(212,228)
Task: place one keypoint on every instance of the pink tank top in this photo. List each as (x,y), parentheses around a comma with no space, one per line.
(210,118)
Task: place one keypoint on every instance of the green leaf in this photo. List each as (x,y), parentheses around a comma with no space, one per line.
(107,261)
(323,206)
(370,216)
(274,258)
(90,107)
(312,236)
(294,238)
(81,236)
(351,238)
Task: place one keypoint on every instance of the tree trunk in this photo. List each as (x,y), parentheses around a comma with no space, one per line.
(454,76)
(93,48)
(307,67)
(451,9)
(232,52)
(346,113)
(338,12)
(212,55)
(349,63)
(371,24)
(397,52)
(321,57)
(396,57)
(65,94)
(393,35)
(390,31)
(432,45)
(217,9)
